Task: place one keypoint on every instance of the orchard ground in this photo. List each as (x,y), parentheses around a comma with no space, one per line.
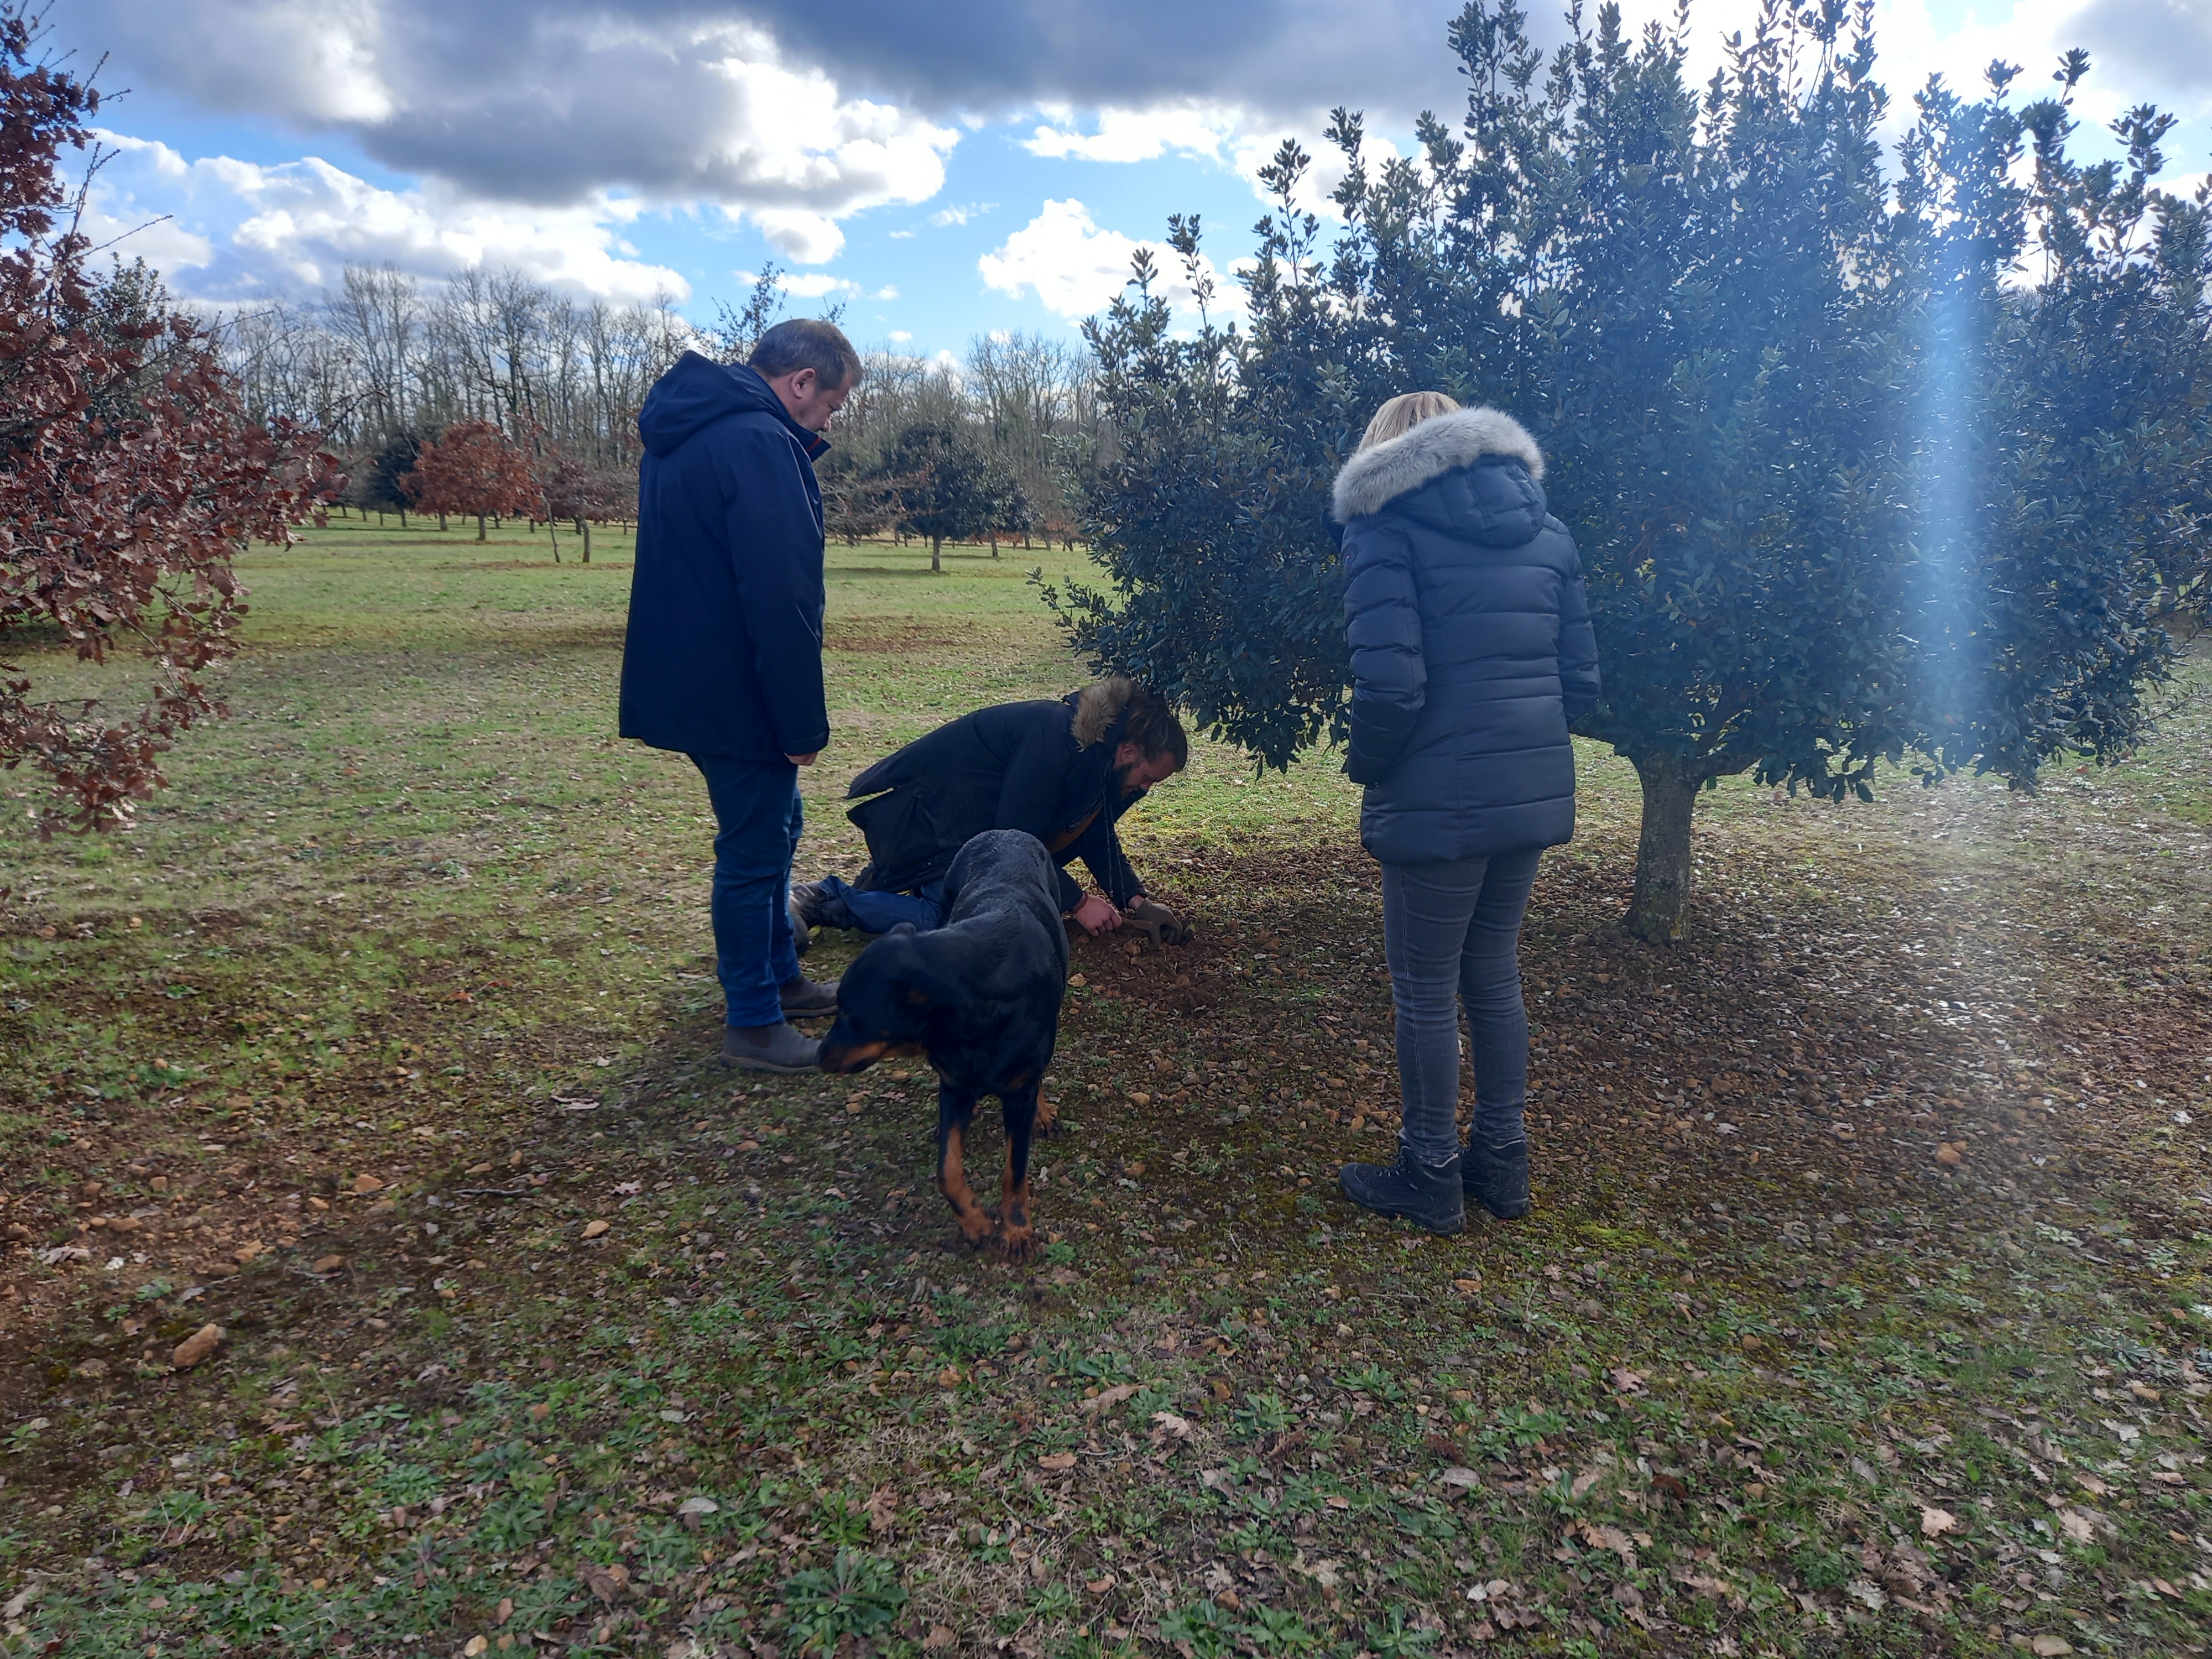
(1868,1307)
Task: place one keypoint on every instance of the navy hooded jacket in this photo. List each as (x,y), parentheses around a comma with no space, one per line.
(1471,643)
(724,652)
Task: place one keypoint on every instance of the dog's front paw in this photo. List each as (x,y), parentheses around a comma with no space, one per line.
(1047,1119)
(976,1227)
(1019,1242)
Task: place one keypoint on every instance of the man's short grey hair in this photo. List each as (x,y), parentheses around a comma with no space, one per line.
(807,342)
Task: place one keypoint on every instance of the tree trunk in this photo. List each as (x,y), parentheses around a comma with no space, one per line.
(584,529)
(937,552)
(441,524)
(379,518)
(480,526)
(994,543)
(1659,908)
(554,535)
(402,517)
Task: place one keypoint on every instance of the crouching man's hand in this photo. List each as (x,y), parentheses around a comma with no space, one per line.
(1162,923)
(1095,916)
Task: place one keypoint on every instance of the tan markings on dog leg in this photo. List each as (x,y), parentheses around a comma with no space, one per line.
(1048,1117)
(1016,1236)
(952,1182)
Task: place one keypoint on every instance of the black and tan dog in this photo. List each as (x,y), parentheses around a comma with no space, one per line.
(979,997)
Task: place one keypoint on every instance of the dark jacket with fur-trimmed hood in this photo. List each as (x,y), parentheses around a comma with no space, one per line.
(1046,766)
(1471,644)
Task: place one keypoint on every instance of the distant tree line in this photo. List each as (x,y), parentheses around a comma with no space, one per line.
(489,395)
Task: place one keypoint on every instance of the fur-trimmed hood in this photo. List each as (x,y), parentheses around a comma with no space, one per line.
(1375,477)
(1097,707)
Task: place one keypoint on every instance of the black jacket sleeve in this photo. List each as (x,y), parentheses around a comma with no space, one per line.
(1100,848)
(1579,686)
(775,548)
(1382,627)
(1071,891)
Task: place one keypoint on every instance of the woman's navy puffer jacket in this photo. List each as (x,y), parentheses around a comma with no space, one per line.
(1471,643)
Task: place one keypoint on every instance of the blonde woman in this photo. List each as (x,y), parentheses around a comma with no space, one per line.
(1471,653)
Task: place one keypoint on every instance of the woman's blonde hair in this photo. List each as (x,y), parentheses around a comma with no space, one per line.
(1402,414)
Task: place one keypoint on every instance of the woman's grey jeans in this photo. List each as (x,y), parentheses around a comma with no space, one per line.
(1455,927)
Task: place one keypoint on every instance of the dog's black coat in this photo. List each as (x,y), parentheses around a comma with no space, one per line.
(981,998)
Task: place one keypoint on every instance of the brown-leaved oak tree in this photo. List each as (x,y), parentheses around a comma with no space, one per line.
(130,475)
(472,469)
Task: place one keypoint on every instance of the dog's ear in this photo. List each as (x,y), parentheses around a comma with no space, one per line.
(900,930)
(918,982)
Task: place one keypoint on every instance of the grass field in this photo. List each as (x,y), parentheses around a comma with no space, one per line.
(1867,1309)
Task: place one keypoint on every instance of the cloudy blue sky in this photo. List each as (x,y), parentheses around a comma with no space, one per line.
(942,171)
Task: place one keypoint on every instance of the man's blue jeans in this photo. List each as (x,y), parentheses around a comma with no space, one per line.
(759,821)
(872,912)
(1452,932)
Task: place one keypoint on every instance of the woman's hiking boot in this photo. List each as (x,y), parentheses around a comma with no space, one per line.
(1498,1177)
(1427,1195)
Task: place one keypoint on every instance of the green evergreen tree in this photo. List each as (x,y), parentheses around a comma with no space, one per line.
(1849,490)
(949,490)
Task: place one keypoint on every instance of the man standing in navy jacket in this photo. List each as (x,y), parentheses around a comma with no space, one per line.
(723,660)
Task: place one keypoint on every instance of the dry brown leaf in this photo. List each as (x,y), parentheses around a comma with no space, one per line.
(939,1637)
(594,1229)
(1057,1461)
(1935,1522)
(607,1583)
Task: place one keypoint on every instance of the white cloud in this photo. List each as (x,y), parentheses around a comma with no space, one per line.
(2140,50)
(955,215)
(245,229)
(1139,135)
(819,284)
(899,337)
(552,104)
(2140,47)
(810,238)
(814,284)
(1076,269)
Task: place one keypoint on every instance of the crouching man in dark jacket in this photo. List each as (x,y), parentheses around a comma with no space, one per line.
(723,660)
(1063,770)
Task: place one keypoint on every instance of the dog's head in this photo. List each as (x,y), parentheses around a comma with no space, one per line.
(886,1001)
